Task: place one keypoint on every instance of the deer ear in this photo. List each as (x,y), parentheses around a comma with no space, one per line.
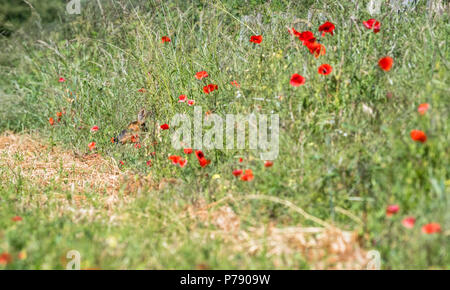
(141,116)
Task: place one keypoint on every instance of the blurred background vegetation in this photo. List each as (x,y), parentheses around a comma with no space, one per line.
(16,14)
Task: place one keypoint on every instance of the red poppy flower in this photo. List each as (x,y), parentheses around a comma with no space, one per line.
(325,69)
(182,99)
(61,80)
(59,114)
(431,228)
(248,175)
(175,158)
(210,88)
(203,162)
(191,102)
(268,164)
(423,108)
(134,138)
(201,75)
(149,163)
(385,63)
(316,48)
(237,172)
(94,129)
(142,90)
(418,136)
(408,222)
(5,258)
(51,121)
(235,83)
(165,126)
(137,146)
(201,158)
(307,37)
(91,146)
(122,163)
(297,80)
(199,154)
(392,209)
(327,27)
(182,162)
(16,218)
(294,32)
(372,24)
(256,38)
(187,150)
(165,39)
(241,160)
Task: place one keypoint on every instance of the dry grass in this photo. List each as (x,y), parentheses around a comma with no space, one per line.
(44,164)
(323,247)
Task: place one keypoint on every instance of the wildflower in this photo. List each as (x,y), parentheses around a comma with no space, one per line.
(210,88)
(327,27)
(191,102)
(325,69)
(165,127)
(423,108)
(137,146)
(316,48)
(201,75)
(94,129)
(294,32)
(134,138)
(431,228)
(248,175)
(59,115)
(268,164)
(165,39)
(22,255)
(182,162)
(297,80)
(235,83)
(149,163)
(241,160)
(51,121)
(122,163)
(201,158)
(16,218)
(182,99)
(61,80)
(418,136)
(408,222)
(385,63)
(142,90)
(306,37)
(256,39)
(237,172)
(187,150)
(175,159)
(5,258)
(391,210)
(91,146)
(372,24)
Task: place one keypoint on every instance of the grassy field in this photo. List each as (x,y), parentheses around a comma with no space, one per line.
(345,150)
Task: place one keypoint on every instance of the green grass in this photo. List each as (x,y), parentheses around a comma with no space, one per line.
(332,153)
